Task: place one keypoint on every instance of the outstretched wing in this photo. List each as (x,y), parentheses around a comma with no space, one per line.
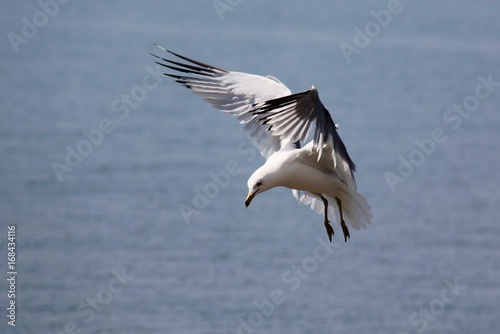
(290,118)
(232,92)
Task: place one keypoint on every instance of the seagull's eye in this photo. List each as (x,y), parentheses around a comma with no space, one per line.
(258,184)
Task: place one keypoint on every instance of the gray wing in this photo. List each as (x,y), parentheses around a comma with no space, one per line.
(232,92)
(290,117)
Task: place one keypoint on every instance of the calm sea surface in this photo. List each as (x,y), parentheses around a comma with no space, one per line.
(127,191)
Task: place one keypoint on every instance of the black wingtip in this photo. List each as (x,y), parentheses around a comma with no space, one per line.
(152,54)
(206,66)
(159,46)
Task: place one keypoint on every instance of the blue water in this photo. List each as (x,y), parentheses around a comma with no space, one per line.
(105,249)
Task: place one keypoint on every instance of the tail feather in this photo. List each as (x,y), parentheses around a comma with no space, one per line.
(355,207)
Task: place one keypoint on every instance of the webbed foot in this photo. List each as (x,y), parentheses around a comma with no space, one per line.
(329,230)
(345,230)
(342,221)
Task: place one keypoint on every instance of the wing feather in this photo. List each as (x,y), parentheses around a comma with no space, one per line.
(234,93)
(291,117)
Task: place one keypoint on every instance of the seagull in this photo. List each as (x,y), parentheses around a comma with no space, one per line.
(319,173)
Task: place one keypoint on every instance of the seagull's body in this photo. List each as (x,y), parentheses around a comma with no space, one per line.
(278,122)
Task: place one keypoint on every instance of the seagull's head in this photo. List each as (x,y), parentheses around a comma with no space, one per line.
(257,183)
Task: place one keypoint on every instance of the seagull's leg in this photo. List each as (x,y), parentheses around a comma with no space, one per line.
(342,221)
(329,228)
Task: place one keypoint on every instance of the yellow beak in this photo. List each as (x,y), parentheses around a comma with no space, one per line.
(249,199)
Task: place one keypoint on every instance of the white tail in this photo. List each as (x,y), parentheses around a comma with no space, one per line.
(355,207)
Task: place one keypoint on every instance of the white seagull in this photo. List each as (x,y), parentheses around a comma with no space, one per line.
(278,122)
